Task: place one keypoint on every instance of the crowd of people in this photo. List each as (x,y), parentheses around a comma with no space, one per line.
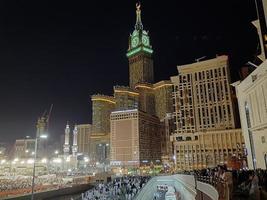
(246,183)
(120,188)
(18,185)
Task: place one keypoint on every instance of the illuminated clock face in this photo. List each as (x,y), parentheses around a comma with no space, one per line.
(145,40)
(135,41)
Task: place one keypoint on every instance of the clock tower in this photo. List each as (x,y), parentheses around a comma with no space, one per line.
(140,54)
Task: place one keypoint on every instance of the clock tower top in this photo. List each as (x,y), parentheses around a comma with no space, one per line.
(141,69)
(139,40)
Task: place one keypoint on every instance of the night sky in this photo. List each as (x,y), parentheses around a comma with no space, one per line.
(62,52)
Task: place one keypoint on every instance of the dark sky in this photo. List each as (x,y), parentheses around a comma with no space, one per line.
(62,52)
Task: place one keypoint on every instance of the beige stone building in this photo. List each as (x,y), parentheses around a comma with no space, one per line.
(83,138)
(252,100)
(205,133)
(135,139)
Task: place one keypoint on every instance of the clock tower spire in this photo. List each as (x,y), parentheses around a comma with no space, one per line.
(138,24)
(140,54)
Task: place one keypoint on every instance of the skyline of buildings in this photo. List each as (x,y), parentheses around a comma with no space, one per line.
(190,120)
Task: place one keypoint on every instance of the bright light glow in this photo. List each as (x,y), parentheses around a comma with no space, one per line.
(107,145)
(30,161)
(125,91)
(56,151)
(44,160)
(33,153)
(0,152)
(43,136)
(57,160)
(86,159)
(147,50)
(69,170)
(22,162)
(13,162)
(97,163)
(102,99)
(68,159)
(132,52)
(124,111)
(16,160)
(3,161)
(26,151)
(174,157)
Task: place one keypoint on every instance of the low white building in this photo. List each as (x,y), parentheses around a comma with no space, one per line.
(252,100)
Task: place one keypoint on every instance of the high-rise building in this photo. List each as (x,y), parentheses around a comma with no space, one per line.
(125,98)
(146,97)
(153,100)
(163,98)
(83,138)
(24,148)
(102,106)
(135,139)
(205,119)
(139,53)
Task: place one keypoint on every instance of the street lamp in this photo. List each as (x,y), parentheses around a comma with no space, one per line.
(34,161)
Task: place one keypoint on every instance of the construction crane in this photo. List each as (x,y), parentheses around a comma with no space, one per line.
(43,122)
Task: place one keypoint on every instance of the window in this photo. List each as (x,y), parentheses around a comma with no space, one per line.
(262,139)
(247,114)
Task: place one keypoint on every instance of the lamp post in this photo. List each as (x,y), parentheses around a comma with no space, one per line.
(34,161)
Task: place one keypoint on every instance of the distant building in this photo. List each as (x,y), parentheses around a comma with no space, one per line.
(102,106)
(252,99)
(83,138)
(205,119)
(135,139)
(24,148)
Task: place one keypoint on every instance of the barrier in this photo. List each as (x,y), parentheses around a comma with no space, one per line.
(186,185)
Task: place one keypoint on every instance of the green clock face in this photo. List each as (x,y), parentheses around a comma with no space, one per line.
(145,40)
(135,41)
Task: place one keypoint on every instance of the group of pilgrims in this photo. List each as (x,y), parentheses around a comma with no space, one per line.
(124,188)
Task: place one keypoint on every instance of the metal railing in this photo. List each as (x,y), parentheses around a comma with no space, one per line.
(220,185)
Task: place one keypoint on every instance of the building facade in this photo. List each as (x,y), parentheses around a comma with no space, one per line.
(83,138)
(203,102)
(24,148)
(125,98)
(135,139)
(252,100)
(102,106)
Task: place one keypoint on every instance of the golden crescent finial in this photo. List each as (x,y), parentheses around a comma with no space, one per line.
(138,6)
